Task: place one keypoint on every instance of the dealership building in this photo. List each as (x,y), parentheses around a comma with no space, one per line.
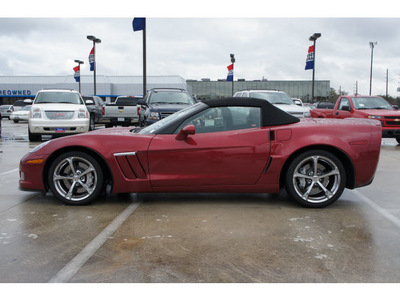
(13,88)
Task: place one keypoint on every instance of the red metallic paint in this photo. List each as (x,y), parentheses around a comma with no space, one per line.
(249,160)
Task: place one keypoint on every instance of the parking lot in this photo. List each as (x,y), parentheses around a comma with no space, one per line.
(174,238)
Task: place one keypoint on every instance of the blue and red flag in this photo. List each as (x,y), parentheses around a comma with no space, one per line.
(91,59)
(77,74)
(310,58)
(230,73)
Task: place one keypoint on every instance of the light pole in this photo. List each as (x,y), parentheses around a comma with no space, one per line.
(79,62)
(314,38)
(95,41)
(372,45)
(233,62)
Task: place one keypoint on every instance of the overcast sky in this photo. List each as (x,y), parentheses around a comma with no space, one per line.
(198,45)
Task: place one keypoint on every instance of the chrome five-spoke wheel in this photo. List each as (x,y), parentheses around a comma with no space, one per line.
(316,178)
(75,178)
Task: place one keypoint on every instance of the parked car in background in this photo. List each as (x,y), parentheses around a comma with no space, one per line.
(57,112)
(324,105)
(297,101)
(242,145)
(22,114)
(19,104)
(94,105)
(6,111)
(369,107)
(279,99)
(159,103)
(122,112)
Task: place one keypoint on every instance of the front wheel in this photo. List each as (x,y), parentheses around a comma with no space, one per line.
(91,123)
(75,178)
(398,140)
(33,137)
(315,179)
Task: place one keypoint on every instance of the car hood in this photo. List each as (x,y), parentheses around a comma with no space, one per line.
(167,107)
(105,141)
(293,108)
(380,112)
(59,106)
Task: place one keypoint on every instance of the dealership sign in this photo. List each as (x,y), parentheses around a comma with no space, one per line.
(15,93)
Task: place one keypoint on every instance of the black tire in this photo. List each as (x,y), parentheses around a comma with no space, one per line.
(320,190)
(91,123)
(15,121)
(398,140)
(75,178)
(33,137)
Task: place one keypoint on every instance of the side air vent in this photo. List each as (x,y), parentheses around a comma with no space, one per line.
(130,165)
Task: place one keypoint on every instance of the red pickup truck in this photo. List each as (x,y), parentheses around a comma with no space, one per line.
(371,107)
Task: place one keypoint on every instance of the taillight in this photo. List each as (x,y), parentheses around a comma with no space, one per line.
(102,111)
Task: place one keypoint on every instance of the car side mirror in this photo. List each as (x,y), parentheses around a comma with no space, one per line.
(185,132)
(346,108)
(396,107)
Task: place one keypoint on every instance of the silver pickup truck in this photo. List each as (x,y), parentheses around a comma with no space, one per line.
(122,112)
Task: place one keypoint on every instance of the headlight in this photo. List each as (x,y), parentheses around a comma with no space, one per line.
(154,116)
(374,117)
(35,113)
(82,114)
(307,114)
(38,147)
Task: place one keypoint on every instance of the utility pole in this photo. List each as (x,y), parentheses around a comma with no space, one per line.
(372,45)
(387,82)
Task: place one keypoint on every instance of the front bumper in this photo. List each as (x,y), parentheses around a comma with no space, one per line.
(391,133)
(31,173)
(39,126)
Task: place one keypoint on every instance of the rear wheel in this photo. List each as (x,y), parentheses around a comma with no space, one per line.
(75,178)
(316,178)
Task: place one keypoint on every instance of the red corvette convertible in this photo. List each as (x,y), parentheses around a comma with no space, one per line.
(226,145)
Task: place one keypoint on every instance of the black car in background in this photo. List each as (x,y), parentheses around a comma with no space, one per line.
(162,102)
(94,107)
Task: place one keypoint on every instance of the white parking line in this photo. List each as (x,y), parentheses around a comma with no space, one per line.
(379,209)
(81,258)
(8,172)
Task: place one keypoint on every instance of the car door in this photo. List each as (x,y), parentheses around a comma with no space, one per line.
(228,148)
(343,108)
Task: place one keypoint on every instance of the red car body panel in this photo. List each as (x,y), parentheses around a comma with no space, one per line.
(248,160)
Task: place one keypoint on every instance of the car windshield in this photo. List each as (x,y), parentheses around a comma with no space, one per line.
(170,98)
(170,119)
(58,97)
(273,97)
(370,103)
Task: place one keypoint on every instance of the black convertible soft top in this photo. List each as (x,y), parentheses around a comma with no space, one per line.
(271,115)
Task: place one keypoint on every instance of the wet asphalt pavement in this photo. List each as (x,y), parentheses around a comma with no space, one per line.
(197,237)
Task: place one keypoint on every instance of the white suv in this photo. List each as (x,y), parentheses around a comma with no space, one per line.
(277,98)
(57,112)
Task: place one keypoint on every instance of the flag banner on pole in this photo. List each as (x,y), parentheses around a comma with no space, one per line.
(77,74)
(91,59)
(230,73)
(139,24)
(310,58)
